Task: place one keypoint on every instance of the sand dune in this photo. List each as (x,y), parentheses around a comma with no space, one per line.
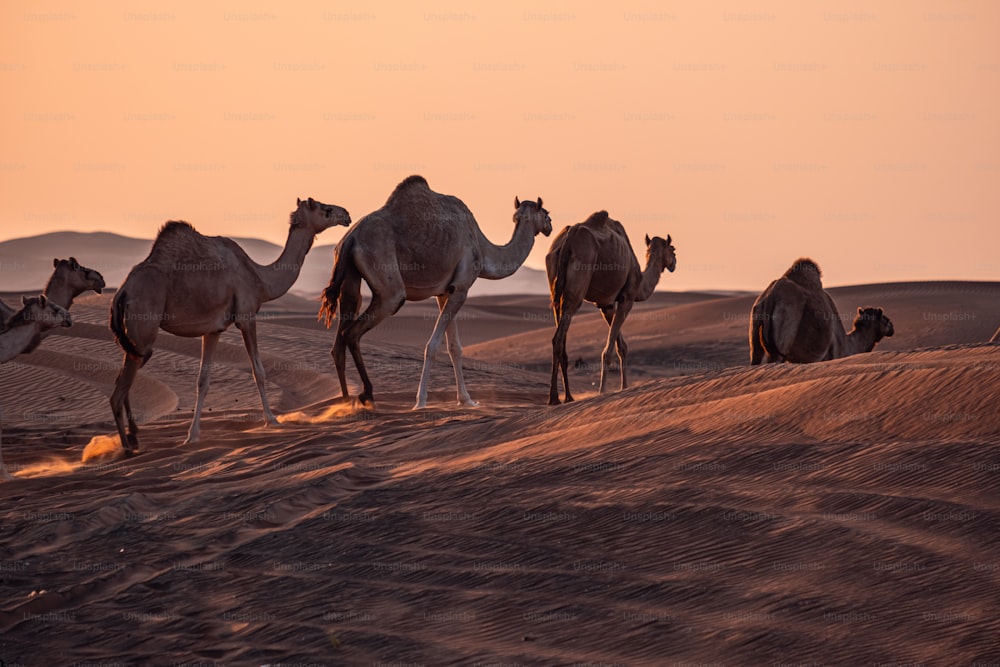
(844,513)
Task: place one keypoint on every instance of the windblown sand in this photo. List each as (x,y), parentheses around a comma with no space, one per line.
(845,513)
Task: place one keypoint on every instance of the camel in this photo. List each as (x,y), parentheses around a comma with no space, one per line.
(795,320)
(26,326)
(192,285)
(593,261)
(420,244)
(68,281)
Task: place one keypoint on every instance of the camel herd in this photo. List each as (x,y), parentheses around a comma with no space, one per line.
(420,244)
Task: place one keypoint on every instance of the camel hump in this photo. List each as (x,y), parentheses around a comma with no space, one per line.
(601,225)
(408,183)
(598,219)
(174,227)
(806,273)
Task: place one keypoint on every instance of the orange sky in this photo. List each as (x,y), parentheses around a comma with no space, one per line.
(864,135)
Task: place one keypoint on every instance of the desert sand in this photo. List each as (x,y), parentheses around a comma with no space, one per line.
(845,513)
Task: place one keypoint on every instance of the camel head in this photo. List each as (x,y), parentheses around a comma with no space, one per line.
(874,319)
(317,216)
(41,309)
(533,213)
(78,277)
(663,249)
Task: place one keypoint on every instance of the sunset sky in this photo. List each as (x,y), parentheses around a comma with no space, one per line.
(865,135)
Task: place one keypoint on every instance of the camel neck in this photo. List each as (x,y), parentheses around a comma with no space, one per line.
(650,277)
(858,341)
(59,292)
(501,261)
(17,339)
(279,276)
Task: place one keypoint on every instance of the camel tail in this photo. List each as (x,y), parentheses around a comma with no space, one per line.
(117,325)
(562,271)
(331,295)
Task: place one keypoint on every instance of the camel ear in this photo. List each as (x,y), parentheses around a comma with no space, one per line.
(880,312)
(55,262)
(669,241)
(24,300)
(860,310)
(517,202)
(42,300)
(647,240)
(298,202)
(539,202)
(73,263)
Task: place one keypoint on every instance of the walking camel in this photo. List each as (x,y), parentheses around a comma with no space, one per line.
(24,330)
(795,320)
(68,281)
(593,261)
(420,244)
(193,285)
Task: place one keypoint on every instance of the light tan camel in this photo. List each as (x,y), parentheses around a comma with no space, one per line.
(593,261)
(68,281)
(25,328)
(795,320)
(193,285)
(420,244)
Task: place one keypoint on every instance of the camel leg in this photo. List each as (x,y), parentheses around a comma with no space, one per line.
(350,305)
(120,405)
(608,312)
(621,312)
(557,355)
(445,319)
(249,331)
(132,427)
(455,352)
(380,308)
(756,345)
(560,360)
(208,342)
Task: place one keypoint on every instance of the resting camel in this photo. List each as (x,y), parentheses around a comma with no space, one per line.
(593,261)
(68,281)
(193,285)
(420,244)
(795,320)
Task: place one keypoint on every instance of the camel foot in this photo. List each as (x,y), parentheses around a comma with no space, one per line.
(469,403)
(554,400)
(366,401)
(569,399)
(129,453)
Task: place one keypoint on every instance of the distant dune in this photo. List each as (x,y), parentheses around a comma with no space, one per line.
(843,513)
(26,263)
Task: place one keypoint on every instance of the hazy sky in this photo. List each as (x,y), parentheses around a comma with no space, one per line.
(866,135)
